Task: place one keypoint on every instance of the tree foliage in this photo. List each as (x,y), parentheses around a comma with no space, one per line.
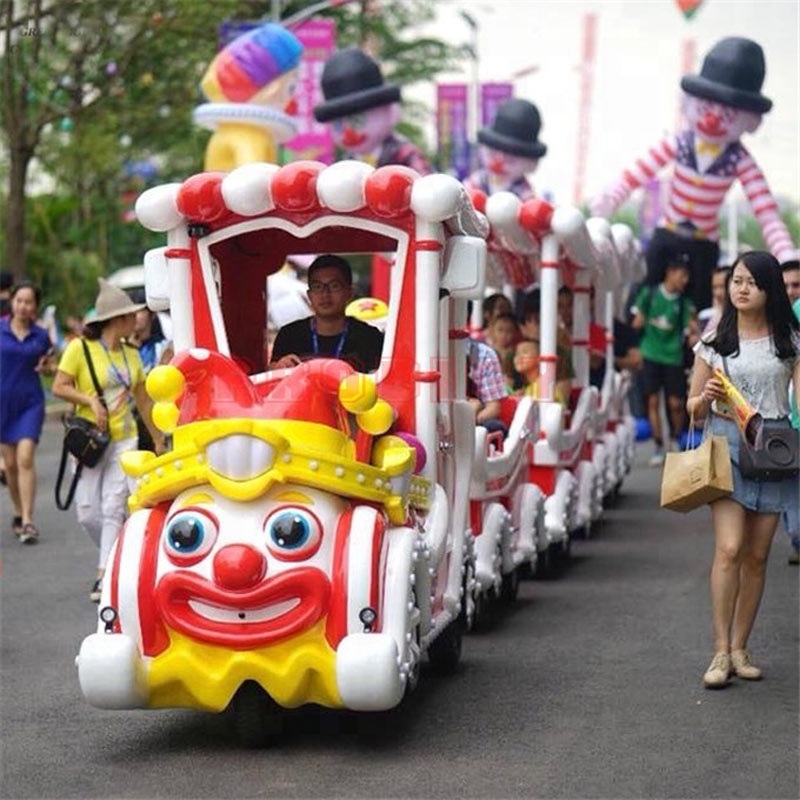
(99,87)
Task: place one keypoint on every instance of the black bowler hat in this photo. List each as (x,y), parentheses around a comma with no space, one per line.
(733,73)
(515,130)
(352,82)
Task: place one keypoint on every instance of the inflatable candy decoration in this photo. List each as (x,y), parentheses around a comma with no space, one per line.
(249,85)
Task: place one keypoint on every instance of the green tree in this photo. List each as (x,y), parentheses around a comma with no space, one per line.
(101,85)
(67,66)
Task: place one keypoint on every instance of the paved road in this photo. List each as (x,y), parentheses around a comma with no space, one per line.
(588,687)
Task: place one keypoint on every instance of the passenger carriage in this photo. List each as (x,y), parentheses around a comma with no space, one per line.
(575,460)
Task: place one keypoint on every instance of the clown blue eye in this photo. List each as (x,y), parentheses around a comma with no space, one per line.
(289,530)
(293,534)
(186,533)
(190,536)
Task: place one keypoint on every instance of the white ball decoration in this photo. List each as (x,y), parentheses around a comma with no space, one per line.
(340,187)
(436,198)
(502,209)
(247,191)
(157,208)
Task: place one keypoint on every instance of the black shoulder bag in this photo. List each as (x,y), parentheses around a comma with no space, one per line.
(82,439)
(778,456)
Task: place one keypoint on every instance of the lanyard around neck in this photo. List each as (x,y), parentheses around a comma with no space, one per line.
(126,383)
(337,353)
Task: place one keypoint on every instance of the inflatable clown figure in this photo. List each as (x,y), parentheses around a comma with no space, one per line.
(263,547)
(510,150)
(249,85)
(363,112)
(722,103)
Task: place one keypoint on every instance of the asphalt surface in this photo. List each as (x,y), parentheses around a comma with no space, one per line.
(589,686)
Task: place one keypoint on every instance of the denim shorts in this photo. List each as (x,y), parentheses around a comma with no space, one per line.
(766,497)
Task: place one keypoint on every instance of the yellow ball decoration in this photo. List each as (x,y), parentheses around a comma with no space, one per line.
(357,393)
(165,384)
(390,450)
(165,416)
(378,419)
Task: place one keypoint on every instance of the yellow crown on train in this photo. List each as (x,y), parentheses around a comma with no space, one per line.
(226,435)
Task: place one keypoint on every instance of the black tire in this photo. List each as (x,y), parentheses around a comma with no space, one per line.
(525,570)
(510,587)
(256,717)
(445,650)
(544,563)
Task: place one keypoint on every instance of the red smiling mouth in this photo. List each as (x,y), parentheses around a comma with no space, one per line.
(276,609)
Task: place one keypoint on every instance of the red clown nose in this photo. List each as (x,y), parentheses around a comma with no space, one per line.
(239,566)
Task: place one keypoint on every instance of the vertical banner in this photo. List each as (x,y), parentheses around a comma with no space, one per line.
(452,102)
(586,69)
(493,95)
(314,140)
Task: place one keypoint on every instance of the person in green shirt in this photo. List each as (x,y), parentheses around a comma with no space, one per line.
(667,320)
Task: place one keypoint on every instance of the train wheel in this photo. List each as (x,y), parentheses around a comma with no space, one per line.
(544,563)
(257,719)
(445,650)
(510,587)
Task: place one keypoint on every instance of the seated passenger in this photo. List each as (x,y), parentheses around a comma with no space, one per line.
(529,326)
(328,333)
(503,336)
(526,363)
(485,385)
(493,305)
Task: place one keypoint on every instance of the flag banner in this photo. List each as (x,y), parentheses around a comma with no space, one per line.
(452,101)
(314,140)
(492,95)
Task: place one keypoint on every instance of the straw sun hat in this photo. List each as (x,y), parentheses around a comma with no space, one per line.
(113,302)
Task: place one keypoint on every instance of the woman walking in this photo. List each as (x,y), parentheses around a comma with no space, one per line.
(23,351)
(102,490)
(757,342)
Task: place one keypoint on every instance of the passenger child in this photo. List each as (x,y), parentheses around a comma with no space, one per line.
(526,363)
(529,327)
(503,335)
(485,385)
(493,305)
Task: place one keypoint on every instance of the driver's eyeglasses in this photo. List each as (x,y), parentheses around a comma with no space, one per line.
(334,287)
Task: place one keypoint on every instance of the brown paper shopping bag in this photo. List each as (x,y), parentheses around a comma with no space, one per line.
(694,478)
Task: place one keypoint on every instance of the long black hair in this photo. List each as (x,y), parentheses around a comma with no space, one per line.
(766,272)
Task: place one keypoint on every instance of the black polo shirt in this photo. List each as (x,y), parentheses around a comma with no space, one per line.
(361,349)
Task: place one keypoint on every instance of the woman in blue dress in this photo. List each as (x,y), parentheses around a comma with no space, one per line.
(23,350)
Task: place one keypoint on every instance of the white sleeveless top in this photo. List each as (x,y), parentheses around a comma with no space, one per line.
(757,372)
